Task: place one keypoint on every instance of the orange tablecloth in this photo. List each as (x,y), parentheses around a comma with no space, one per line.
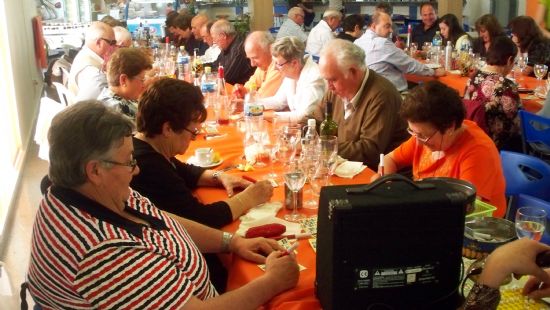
(241,272)
(458,82)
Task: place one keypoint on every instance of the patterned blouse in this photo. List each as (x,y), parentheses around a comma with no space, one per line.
(125,106)
(501,100)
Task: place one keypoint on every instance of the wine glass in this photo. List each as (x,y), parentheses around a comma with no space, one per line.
(329,154)
(530,222)
(310,161)
(271,150)
(540,72)
(288,142)
(413,48)
(295,178)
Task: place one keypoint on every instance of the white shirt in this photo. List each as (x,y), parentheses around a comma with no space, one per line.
(302,96)
(290,28)
(211,54)
(318,37)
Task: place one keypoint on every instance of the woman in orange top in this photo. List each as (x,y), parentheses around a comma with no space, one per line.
(443,144)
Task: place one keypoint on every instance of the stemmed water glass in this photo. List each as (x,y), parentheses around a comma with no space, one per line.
(295,178)
(530,222)
(329,154)
(288,142)
(310,160)
(540,72)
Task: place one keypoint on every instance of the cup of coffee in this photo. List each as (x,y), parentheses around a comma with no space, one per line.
(204,156)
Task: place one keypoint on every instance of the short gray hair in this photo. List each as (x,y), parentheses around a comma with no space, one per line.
(82,132)
(332,13)
(122,35)
(223,26)
(289,48)
(295,11)
(264,39)
(345,53)
(96,31)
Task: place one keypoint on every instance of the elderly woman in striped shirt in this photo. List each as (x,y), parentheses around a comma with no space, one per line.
(99,244)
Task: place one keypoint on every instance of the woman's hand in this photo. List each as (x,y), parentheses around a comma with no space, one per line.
(255,249)
(231,182)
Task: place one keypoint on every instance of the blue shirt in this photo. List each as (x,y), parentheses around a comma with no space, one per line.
(391,62)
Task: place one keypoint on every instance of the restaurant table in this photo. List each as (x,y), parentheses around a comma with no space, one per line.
(230,148)
(530,102)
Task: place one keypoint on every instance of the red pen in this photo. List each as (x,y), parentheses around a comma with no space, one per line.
(249,179)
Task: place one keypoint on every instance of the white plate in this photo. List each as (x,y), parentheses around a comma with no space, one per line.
(193,161)
(433,66)
(540,95)
(455,72)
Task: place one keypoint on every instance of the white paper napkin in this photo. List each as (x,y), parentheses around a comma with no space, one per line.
(265,214)
(349,169)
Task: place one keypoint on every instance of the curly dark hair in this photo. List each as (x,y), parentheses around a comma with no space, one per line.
(526,30)
(169,100)
(435,103)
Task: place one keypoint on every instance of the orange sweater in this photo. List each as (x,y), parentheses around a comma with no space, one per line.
(472,157)
(267,82)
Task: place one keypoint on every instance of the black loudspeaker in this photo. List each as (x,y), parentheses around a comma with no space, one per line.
(393,244)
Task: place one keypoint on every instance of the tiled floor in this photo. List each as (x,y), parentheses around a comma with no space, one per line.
(16,253)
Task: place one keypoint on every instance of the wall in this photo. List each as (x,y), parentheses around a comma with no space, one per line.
(27,87)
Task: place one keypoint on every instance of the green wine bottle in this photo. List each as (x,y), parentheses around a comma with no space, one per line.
(328,127)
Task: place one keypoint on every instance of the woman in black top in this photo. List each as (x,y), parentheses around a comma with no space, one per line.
(488,28)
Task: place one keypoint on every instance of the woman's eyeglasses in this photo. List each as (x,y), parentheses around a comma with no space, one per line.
(132,163)
(419,137)
(194,133)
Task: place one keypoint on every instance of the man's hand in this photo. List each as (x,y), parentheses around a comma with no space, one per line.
(439,72)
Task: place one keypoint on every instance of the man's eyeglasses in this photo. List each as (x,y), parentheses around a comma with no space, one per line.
(132,163)
(279,66)
(194,133)
(419,137)
(110,42)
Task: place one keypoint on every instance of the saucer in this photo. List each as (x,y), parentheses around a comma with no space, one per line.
(433,66)
(193,161)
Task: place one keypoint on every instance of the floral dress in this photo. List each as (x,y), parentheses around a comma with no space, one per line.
(501,99)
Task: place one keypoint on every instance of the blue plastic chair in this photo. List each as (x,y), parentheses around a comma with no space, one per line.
(530,201)
(535,134)
(525,174)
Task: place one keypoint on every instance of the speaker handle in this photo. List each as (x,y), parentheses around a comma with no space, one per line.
(394,177)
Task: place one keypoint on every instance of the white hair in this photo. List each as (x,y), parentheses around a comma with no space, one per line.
(96,31)
(122,35)
(345,53)
(332,13)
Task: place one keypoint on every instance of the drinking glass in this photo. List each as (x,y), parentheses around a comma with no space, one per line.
(530,222)
(288,142)
(329,155)
(540,72)
(271,150)
(310,161)
(295,178)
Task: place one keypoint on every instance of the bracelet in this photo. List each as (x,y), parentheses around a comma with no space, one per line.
(226,241)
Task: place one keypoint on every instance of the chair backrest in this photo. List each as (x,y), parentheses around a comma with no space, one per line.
(529,201)
(535,132)
(65,96)
(65,77)
(475,111)
(525,174)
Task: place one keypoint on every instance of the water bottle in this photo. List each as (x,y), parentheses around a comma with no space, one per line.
(409,35)
(448,56)
(253,110)
(180,64)
(437,43)
(437,39)
(309,141)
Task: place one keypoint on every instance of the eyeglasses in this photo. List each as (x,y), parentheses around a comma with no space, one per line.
(139,79)
(279,66)
(132,163)
(110,42)
(420,138)
(194,133)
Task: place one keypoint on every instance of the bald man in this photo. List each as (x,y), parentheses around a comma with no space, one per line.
(213,51)
(232,58)
(196,40)
(293,25)
(267,79)
(86,78)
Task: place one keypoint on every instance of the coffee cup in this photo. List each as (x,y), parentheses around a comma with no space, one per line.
(204,156)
